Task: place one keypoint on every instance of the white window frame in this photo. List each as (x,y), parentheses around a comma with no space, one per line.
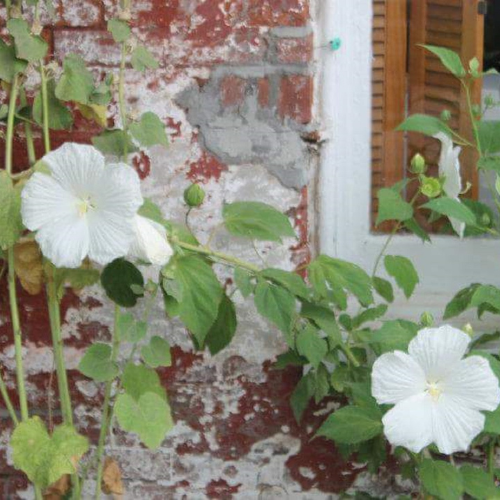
(444,266)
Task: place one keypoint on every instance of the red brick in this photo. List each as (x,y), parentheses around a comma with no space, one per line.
(78,13)
(278,12)
(264,89)
(294,50)
(296,98)
(232,90)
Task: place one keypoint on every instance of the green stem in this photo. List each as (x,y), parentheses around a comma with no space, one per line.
(9,138)
(45,108)
(228,259)
(349,354)
(7,401)
(106,412)
(30,145)
(121,99)
(491,456)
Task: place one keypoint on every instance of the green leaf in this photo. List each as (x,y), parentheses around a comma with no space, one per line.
(10,212)
(117,279)
(201,294)
(97,364)
(428,125)
(289,358)
(301,396)
(392,206)
(142,59)
(119,29)
(242,279)
(478,483)
(460,301)
(157,353)
(413,226)
(351,425)
(394,335)
(149,131)
(339,275)
(450,60)
(151,210)
(291,281)
(60,117)
(130,329)
(489,138)
(77,278)
(222,331)
(371,314)
(441,479)
(44,458)
(311,346)
(383,288)
(76,82)
(9,64)
(452,208)
(276,304)
(325,319)
(138,380)
(149,417)
(113,142)
(492,422)
(486,294)
(257,221)
(403,271)
(28,47)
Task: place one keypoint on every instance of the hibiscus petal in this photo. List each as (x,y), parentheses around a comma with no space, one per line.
(473,384)
(150,242)
(438,350)
(449,166)
(44,201)
(409,423)
(119,191)
(454,425)
(396,376)
(65,242)
(77,167)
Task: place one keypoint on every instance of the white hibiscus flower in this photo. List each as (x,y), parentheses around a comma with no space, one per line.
(449,169)
(150,242)
(85,208)
(437,395)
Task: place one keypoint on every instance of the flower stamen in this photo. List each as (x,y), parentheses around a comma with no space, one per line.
(84,206)
(434,390)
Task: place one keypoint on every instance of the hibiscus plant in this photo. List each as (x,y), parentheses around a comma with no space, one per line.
(75,217)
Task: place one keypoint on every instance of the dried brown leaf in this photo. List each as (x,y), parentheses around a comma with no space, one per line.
(112,479)
(28,265)
(57,490)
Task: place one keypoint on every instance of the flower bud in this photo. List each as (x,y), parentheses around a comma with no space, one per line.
(194,195)
(468,330)
(426,319)
(446,115)
(485,220)
(430,186)
(418,164)
(489,102)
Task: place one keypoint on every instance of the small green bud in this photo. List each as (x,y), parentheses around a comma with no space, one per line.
(476,110)
(468,330)
(426,319)
(446,115)
(430,186)
(418,165)
(474,67)
(485,220)
(194,195)
(489,102)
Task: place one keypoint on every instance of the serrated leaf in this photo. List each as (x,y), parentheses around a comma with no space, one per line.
(391,206)
(139,379)
(478,483)
(114,142)
(119,29)
(452,208)
(301,396)
(403,271)
(149,417)
(242,279)
(413,226)
(97,364)
(117,278)
(460,302)
(441,479)
(149,131)
(142,59)
(450,60)
(289,280)
(486,294)
(157,353)
(222,331)
(324,318)
(311,346)
(29,47)
(255,220)
(10,65)
(394,335)
(130,329)
(60,117)
(425,124)
(10,212)
(383,288)
(351,425)
(76,82)
(276,304)
(371,314)
(44,458)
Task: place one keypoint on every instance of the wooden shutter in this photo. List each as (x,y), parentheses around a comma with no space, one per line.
(388,93)
(457,25)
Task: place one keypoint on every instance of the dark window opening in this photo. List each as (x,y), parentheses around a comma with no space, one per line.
(492,36)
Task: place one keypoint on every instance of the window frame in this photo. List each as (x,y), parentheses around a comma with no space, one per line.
(444,266)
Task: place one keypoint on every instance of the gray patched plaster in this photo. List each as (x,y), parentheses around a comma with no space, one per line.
(247,133)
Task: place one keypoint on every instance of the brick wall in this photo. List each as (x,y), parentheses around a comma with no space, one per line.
(235,90)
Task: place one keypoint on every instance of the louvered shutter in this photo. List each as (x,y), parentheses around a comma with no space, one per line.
(457,25)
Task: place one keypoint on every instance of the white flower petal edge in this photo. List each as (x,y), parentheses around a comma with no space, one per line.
(438,395)
(84,208)
(449,168)
(150,242)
